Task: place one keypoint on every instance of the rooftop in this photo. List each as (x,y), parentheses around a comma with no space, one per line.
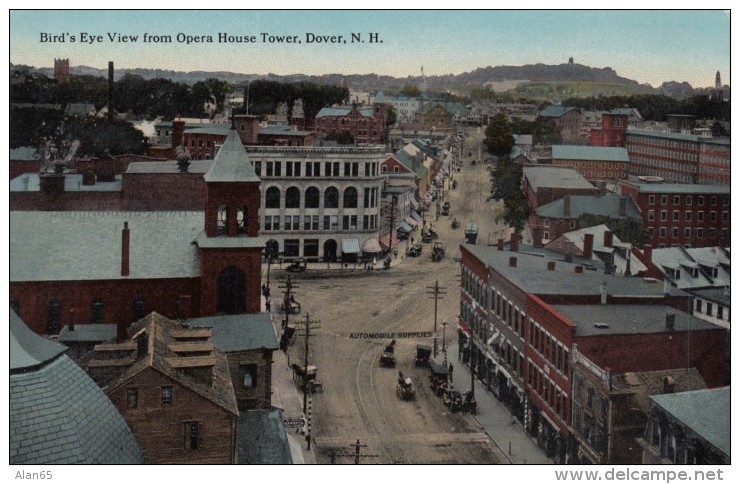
(31,182)
(607,205)
(542,176)
(590,153)
(706,412)
(87,333)
(239,332)
(261,438)
(555,111)
(214,129)
(366,112)
(683,188)
(678,136)
(169,166)
(231,163)
(602,319)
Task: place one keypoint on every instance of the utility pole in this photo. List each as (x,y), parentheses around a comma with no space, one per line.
(289,287)
(394,200)
(444,335)
(308,325)
(435,292)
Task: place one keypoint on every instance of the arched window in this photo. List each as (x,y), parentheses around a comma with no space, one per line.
(139,307)
(331,198)
(272,198)
(241,219)
(292,198)
(350,198)
(312,197)
(221,224)
(53,316)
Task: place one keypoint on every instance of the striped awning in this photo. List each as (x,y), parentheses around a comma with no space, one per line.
(404,227)
(384,241)
(350,246)
(371,246)
(411,221)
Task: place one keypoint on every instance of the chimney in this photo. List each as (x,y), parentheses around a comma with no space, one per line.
(608,238)
(588,246)
(110,90)
(537,236)
(178,129)
(579,269)
(566,205)
(125,238)
(602,290)
(551,265)
(514,242)
(512,261)
(669,384)
(121,332)
(500,244)
(647,251)
(51,184)
(622,206)
(670,321)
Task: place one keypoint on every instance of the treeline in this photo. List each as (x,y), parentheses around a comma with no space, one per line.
(132,94)
(655,107)
(263,97)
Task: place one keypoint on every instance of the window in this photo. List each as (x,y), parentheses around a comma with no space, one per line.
(331,198)
(700,200)
(720,311)
(350,198)
(312,197)
(700,216)
(709,309)
(674,232)
(713,201)
(688,216)
(292,247)
(132,397)
(651,200)
(712,216)
(270,168)
(688,200)
(651,215)
(53,316)
(700,233)
(192,435)
(687,233)
(292,198)
(676,216)
(278,168)
(258,168)
(272,197)
(97,311)
(663,215)
(662,232)
(249,378)
(676,200)
(166,395)
(311,246)
(664,199)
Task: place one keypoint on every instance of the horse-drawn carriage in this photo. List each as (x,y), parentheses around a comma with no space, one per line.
(453,400)
(438,378)
(306,377)
(388,358)
(445,208)
(414,250)
(405,388)
(423,353)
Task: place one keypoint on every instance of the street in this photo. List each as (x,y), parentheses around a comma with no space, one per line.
(359,400)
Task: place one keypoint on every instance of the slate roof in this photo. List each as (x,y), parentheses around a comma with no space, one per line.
(719,295)
(532,277)
(705,412)
(682,188)
(643,384)
(683,259)
(261,438)
(366,112)
(282,130)
(678,136)
(590,153)
(58,415)
(555,111)
(31,182)
(169,166)
(606,205)
(87,333)
(216,129)
(231,163)
(86,245)
(239,332)
(627,318)
(555,177)
(220,391)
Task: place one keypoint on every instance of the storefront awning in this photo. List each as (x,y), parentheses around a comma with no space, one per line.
(411,221)
(371,246)
(404,227)
(385,244)
(350,246)
(416,217)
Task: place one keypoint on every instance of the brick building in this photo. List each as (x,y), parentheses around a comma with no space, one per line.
(612,130)
(679,158)
(682,214)
(367,124)
(522,315)
(566,120)
(115,266)
(593,162)
(543,184)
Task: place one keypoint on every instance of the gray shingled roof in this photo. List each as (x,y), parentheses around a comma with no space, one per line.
(63,246)
(555,111)
(239,332)
(626,318)
(706,412)
(170,166)
(531,275)
(682,188)
(606,205)
(58,415)
(591,153)
(261,438)
(231,163)
(88,333)
(555,177)
(677,136)
(720,295)
(30,182)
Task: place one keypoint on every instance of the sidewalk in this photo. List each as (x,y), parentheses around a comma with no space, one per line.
(495,419)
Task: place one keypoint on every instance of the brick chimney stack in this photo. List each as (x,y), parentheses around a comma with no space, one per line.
(566,205)
(647,251)
(125,241)
(514,242)
(512,261)
(551,265)
(178,131)
(500,244)
(608,238)
(588,246)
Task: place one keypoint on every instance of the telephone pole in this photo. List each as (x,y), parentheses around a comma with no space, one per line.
(308,325)
(435,292)
(288,298)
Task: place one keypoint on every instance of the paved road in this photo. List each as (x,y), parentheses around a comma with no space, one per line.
(359,400)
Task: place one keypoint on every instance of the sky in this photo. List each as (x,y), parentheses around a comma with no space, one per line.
(647,46)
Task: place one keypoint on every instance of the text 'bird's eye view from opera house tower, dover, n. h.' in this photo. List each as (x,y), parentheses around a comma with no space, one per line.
(370,237)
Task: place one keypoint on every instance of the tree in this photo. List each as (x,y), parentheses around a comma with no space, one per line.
(506,185)
(342,137)
(392,116)
(544,132)
(410,90)
(498,136)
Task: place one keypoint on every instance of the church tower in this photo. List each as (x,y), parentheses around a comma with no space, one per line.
(230,247)
(717,82)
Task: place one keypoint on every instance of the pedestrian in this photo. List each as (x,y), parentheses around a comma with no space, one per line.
(450,371)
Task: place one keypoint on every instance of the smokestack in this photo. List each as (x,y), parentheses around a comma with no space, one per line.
(670,321)
(566,205)
(608,238)
(125,240)
(551,265)
(500,244)
(588,246)
(178,130)
(514,243)
(512,261)
(579,269)
(110,90)
(121,332)
(602,290)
